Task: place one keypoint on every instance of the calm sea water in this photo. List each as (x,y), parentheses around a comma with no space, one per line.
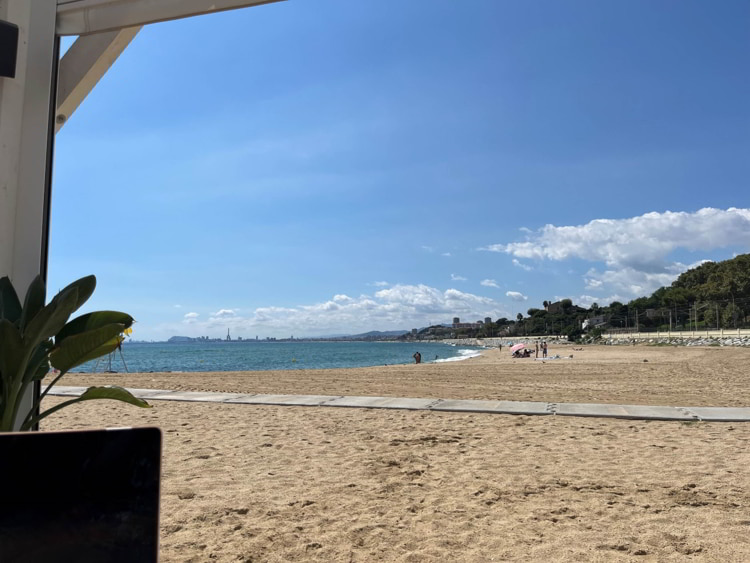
(254,356)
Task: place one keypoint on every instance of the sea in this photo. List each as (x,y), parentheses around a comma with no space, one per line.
(255,356)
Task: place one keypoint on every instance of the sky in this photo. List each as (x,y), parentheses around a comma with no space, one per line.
(323,167)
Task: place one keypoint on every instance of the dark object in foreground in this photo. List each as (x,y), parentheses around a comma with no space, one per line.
(8,49)
(88,496)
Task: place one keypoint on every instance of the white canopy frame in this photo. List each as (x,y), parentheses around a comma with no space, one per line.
(44,93)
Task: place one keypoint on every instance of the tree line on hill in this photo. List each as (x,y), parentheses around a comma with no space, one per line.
(711,296)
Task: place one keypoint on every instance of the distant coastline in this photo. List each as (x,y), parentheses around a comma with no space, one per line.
(372,336)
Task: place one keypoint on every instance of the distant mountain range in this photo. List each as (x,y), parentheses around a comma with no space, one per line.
(373,334)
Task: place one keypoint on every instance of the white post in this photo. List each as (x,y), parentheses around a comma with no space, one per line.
(26,109)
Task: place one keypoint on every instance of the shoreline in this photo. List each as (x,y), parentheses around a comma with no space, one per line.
(648,375)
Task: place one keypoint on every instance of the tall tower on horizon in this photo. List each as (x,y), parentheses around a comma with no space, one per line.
(228,337)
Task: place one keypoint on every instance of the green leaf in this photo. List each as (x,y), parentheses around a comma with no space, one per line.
(79,349)
(109,392)
(113,392)
(38,365)
(13,356)
(10,305)
(11,352)
(92,321)
(52,318)
(85,287)
(34,301)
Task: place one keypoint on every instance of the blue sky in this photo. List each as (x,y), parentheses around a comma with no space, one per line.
(323,167)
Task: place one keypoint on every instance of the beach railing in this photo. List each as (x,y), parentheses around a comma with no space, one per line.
(714,333)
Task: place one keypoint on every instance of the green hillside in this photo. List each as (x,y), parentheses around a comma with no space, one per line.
(713,295)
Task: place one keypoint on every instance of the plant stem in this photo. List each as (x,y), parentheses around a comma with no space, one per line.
(48,412)
(42,395)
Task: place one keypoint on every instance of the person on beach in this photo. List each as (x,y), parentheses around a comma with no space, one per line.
(544,349)
(417,357)
(536,349)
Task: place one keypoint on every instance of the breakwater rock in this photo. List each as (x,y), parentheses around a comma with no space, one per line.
(697,341)
(495,342)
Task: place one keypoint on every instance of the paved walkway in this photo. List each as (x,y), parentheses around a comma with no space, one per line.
(639,412)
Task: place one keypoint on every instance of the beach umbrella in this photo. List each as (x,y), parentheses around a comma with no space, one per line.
(517,347)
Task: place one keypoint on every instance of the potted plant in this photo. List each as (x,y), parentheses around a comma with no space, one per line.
(35,338)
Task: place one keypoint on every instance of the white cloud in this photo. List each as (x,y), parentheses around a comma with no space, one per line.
(456,277)
(190,318)
(588,300)
(636,250)
(380,284)
(397,307)
(178,306)
(634,283)
(427,248)
(641,242)
(521,265)
(446,254)
(455,299)
(223,314)
(489,283)
(516,295)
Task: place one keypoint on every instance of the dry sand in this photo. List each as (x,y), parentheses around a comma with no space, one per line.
(253,483)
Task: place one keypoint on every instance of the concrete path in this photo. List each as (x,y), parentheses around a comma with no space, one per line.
(638,412)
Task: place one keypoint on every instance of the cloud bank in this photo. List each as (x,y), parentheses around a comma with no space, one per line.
(400,306)
(635,251)
(639,242)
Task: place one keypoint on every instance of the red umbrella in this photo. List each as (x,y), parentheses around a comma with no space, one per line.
(517,347)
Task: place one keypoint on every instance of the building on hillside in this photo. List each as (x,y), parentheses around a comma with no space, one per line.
(593,322)
(458,324)
(487,320)
(466,325)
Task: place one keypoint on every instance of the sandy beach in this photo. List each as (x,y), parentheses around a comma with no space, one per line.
(255,483)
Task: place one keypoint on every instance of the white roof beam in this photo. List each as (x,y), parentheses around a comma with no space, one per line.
(83,65)
(81,17)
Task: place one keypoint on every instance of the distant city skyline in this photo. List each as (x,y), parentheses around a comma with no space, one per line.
(331,167)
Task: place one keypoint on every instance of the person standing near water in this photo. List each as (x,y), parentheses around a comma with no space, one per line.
(536,349)
(417,357)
